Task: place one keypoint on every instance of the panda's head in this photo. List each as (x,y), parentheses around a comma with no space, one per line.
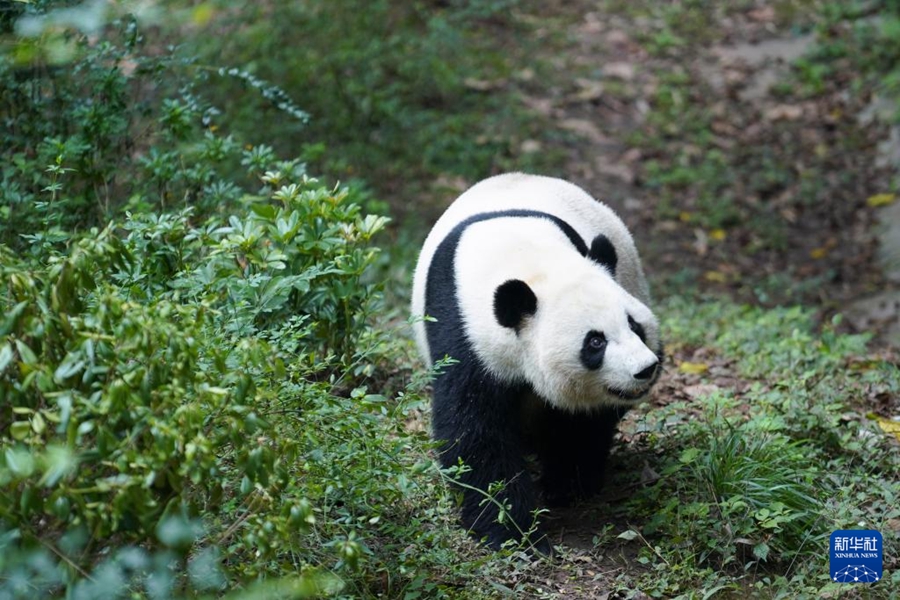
(583,341)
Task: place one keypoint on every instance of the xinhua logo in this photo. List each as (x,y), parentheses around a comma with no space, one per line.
(856,556)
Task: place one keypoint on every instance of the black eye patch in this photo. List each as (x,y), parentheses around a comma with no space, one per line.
(637,328)
(592,350)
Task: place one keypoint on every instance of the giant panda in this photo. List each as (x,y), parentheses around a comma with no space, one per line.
(536,291)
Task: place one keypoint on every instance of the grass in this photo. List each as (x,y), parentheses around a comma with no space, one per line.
(772,456)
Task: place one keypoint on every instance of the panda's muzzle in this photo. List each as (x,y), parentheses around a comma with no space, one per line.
(648,373)
(644,380)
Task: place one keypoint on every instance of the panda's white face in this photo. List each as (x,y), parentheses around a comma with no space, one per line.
(590,344)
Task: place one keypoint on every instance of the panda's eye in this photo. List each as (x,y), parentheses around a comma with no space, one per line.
(637,328)
(596,341)
(593,350)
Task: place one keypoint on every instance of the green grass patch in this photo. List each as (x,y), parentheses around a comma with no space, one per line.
(753,480)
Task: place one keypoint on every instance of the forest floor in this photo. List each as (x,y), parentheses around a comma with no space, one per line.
(738,168)
(741,168)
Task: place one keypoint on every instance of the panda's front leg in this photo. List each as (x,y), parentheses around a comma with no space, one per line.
(474,419)
(573,449)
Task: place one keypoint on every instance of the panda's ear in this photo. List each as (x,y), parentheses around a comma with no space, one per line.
(513,301)
(603,252)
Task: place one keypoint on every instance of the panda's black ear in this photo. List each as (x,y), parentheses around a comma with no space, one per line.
(513,301)
(603,252)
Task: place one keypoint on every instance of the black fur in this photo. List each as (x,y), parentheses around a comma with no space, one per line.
(478,418)
(573,450)
(593,349)
(513,301)
(637,328)
(603,252)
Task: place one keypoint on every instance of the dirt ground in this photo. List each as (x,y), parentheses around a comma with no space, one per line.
(793,218)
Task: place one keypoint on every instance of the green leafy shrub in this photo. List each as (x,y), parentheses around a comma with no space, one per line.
(115,121)
(125,397)
(186,397)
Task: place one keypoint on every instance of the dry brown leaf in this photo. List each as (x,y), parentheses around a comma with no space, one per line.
(784,112)
(763,14)
(589,90)
(584,128)
(619,70)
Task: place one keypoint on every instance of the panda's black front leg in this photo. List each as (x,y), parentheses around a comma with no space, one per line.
(473,416)
(573,450)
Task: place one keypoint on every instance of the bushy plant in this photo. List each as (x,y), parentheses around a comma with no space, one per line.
(140,366)
(98,117)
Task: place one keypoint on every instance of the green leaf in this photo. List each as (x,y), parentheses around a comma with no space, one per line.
(177,531)
(19,461)
(38,423)
(204,570)
(6,356)
(20,430)
(266,211)
(59,462)
(11,317)
(27,354)
(628,535)
(689,455)
(761,551)
(71,365)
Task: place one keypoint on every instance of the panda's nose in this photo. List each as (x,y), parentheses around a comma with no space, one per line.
(647,373)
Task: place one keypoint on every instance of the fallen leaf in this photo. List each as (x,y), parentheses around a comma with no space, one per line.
(784,112)
(701,389)
(483,85)
(881,199)
(542,106)
(526,74)
(589,90)
(617,37)
(701,243)
(619,70)
(890,426)
(765,14)
(717,235)
(818,253)
(715,276)
(617,170)
(693,368)
(585,129)
(530,147)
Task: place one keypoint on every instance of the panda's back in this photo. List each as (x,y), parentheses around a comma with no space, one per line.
(570,206)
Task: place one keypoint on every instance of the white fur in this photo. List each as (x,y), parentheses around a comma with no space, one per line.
(574,294)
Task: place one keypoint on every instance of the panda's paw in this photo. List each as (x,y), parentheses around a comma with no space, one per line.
(564,491)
